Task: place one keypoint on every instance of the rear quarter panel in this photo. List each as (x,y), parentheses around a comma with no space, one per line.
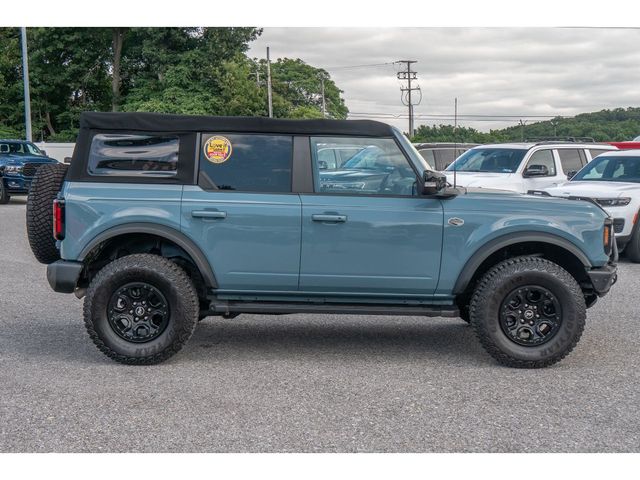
(92,208)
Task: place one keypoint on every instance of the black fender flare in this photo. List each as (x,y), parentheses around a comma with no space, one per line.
(496,244)
(162,231)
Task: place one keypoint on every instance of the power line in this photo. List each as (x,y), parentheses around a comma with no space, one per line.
(436,115)
(346,67)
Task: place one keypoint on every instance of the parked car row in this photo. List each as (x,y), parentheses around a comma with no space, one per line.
(605,174)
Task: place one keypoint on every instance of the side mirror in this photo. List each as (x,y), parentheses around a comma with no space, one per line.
(571,174)
(322,165)
(433,182)
(44,152)
(536,171)
(67,160)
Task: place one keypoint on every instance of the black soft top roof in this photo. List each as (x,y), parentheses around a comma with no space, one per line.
(160,122)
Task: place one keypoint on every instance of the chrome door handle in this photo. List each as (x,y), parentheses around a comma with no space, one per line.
(208,214)
(329,218)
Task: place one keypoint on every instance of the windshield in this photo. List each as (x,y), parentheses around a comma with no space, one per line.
(493,160)
(19,148)
(610,169)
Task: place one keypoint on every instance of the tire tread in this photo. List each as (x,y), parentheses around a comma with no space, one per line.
(504,269)
(175,275)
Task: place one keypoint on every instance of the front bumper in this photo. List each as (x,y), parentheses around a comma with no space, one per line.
(63,275)
(602,278)
(16,184)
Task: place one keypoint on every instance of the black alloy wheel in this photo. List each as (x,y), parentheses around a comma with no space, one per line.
(530,315)
(138,312)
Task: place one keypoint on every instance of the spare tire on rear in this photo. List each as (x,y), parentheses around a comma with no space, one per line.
(44,188)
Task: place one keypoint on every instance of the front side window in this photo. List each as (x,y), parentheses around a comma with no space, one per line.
(489,160)
(610,169)
(378,168)
(127,155)
(543,159)
(246,162)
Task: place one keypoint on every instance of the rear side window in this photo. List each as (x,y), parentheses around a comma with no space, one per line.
(246,162)
(570,159)
(126,155)
(595,152)
(429,157)
(444,157)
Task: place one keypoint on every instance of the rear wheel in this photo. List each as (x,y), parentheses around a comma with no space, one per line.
(44,189)
(528,312)
(141,309)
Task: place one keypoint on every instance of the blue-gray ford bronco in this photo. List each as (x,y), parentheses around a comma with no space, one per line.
(162,220)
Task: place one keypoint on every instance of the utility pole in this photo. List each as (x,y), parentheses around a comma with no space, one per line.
(409,75)
(522,124)
(269,84)
(455,123)
(25,77)
(324,106)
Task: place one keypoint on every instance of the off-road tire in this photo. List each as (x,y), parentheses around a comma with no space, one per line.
(504,278)
(464,313)
(44,188)
(632,248)
(173,283)
(4,195)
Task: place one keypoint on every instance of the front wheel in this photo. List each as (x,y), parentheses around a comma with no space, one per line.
(528,312)
(141,309)
(633,247)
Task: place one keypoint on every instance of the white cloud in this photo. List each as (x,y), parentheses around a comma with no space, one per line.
(492,71)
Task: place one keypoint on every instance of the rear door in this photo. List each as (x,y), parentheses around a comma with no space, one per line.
(242,212)
(365,231)
(571,160)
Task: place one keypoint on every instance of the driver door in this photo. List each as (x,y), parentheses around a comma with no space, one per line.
(546,158)
(365,231)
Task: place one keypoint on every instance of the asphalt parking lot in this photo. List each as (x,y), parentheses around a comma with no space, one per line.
(305,383)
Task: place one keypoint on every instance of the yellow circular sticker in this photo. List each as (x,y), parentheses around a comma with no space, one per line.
(217,149)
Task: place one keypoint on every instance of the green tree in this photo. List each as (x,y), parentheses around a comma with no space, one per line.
(187,70)
(300,86)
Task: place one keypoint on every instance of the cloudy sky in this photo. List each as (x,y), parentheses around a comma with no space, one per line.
(520,73)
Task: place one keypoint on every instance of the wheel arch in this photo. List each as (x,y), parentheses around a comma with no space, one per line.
(556,248)
(163,232)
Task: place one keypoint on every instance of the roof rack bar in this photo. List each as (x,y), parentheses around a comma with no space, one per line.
(542,140)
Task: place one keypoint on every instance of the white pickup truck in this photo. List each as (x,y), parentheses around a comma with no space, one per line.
(522,167)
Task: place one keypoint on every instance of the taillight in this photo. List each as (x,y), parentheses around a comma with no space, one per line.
(607,239)
(58,219)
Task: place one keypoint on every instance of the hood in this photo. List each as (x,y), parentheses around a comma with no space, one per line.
(9,159)
(483,179)
(594,189)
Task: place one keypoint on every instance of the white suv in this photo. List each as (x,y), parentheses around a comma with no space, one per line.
(522,166)
(613,181)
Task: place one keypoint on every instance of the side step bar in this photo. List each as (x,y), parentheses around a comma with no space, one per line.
(231,307)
